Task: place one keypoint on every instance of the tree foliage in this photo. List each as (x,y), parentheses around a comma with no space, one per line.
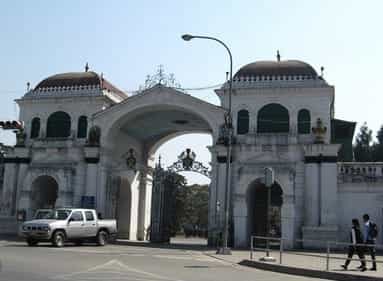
(192,207)
(362,147)
(377,149)
(365,149)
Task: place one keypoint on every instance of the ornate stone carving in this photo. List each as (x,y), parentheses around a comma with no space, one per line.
(319,131)
(131,160)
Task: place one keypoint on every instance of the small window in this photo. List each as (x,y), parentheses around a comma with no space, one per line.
(242,122)
(82,127)
(35,128)
(304,121)
(89,216)
(77,216)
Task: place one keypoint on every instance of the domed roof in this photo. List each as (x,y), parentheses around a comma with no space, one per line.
(78,79)
(69,79)
(276,68)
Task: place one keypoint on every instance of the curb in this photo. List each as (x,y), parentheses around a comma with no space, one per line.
(308,272)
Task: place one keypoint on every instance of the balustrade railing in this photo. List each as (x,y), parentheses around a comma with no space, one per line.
(360,172)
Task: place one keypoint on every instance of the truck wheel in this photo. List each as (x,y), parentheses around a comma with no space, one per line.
(32,242)
(58,239)
(102,238)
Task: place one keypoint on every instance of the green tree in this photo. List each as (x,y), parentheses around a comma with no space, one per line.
(362,146)
(378,146)
(192,206)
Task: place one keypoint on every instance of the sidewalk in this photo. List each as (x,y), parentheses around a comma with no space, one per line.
(303,261)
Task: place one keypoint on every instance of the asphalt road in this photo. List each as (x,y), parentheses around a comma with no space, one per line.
(120,262)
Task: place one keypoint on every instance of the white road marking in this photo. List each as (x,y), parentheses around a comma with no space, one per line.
(113,270)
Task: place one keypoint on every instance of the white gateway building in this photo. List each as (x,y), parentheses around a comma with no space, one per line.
(86,143)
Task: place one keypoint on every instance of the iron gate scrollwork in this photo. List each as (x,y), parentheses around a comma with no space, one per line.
(186,162)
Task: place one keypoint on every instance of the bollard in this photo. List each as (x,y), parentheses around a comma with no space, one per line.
(280,251)
(251,248)
(328,257)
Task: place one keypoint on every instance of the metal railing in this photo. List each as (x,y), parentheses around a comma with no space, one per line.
(330,245)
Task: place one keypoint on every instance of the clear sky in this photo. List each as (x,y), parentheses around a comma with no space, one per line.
(126,40)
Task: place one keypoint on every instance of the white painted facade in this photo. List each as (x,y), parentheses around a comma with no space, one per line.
(319,197)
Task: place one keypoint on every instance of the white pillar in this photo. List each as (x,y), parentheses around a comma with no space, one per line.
(142,205)
(8,188)
(320,194)
(329,194)
(241,232)
(91,180)
(311,195)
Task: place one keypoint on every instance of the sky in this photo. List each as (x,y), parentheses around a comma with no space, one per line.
(127,40)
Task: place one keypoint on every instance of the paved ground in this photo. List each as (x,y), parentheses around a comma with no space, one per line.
(308,261)
(122,262)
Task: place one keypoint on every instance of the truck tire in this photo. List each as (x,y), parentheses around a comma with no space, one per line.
(32,242)
(58,239)
(102,238)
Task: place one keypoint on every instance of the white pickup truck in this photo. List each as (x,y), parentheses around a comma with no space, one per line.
(68,224)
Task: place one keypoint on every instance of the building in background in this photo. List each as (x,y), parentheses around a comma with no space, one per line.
(88,144)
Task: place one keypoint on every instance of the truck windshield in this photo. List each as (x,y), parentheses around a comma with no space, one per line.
(58,214)
(42,214)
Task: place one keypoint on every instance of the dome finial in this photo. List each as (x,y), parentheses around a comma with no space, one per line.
(86,67)
(278,56)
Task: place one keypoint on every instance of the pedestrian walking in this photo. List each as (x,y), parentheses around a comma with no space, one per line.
(356,238)
(370,232)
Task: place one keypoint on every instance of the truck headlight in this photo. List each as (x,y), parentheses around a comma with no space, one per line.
(25,228)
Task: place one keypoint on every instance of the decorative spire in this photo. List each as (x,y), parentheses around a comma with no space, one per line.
(28,86)
(86,67)
(167,80)
(278,56)
(321,71)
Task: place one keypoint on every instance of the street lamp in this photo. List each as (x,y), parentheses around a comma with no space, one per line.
(224,250)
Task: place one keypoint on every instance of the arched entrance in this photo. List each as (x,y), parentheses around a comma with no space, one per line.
(131,133)
(44,193)
(180,209)
(257,210)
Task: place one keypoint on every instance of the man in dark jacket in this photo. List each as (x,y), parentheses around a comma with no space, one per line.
(369,234)
(356,238)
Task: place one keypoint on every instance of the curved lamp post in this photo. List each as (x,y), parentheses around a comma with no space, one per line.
(224,250)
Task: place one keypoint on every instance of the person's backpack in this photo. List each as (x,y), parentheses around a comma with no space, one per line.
(373,230)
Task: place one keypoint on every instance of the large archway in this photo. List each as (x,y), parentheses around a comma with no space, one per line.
(44,193)
(257,208)
(132,132)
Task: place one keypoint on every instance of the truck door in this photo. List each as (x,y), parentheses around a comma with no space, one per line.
(76,225)
(90,224)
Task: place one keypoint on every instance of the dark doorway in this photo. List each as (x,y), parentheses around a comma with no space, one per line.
(257,210)
(44,193)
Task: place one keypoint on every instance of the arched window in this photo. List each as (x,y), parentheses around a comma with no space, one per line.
(58,125)
(273,118)
(35,128)
(82,127)
(242,122)
(304,121)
